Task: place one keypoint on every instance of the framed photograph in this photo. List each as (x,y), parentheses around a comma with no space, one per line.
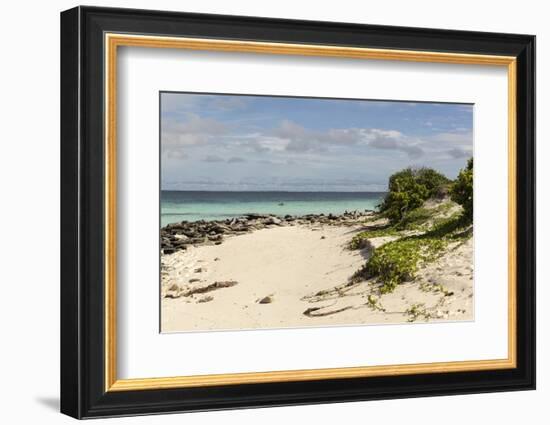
(261,212)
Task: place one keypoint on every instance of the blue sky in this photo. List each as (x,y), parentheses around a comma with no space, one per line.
(232,142)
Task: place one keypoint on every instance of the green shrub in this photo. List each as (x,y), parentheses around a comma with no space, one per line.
(399,260)
(408,189)
(358,241)
(419,219)
(462,190)
(432,179)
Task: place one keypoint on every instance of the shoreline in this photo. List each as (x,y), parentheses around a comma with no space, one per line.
(303,279)
(179,236)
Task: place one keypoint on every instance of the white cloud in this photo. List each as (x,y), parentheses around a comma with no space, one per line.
(301,140)
(459,153)
(462,138)
(394,140)
(177,136)
(290,138)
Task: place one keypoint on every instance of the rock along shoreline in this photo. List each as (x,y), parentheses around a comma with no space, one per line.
(178,236)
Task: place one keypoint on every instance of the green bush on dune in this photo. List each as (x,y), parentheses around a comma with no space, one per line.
(408,189)
(399,260)
(419,219)
(462,191)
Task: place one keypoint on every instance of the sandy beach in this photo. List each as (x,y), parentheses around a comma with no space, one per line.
(319,214)
(299,276)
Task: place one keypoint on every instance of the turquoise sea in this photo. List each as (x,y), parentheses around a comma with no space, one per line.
(177,206)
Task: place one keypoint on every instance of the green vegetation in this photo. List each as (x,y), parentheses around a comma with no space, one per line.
(409,188)
(360,239)
(426,231)
(436,288)
(417,311)
(399,260)
(423,218)
(416,220)
(374,303)
(462,190)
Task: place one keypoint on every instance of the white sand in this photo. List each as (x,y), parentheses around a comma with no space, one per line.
(290,265)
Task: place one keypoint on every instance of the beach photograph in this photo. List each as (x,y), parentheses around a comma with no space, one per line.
(291,212)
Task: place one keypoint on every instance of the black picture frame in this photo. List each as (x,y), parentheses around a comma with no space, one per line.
(83,392)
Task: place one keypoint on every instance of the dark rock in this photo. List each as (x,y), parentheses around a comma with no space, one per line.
(177,236)
(253,216)
(273,220)
(266,300)
(217,230)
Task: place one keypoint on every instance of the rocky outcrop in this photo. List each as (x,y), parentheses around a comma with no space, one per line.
(178,236)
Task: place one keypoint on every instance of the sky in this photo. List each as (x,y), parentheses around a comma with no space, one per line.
(250,143)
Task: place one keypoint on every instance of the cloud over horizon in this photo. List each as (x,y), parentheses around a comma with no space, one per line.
(246,140)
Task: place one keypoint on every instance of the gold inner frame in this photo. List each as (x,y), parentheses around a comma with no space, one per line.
(113,41)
